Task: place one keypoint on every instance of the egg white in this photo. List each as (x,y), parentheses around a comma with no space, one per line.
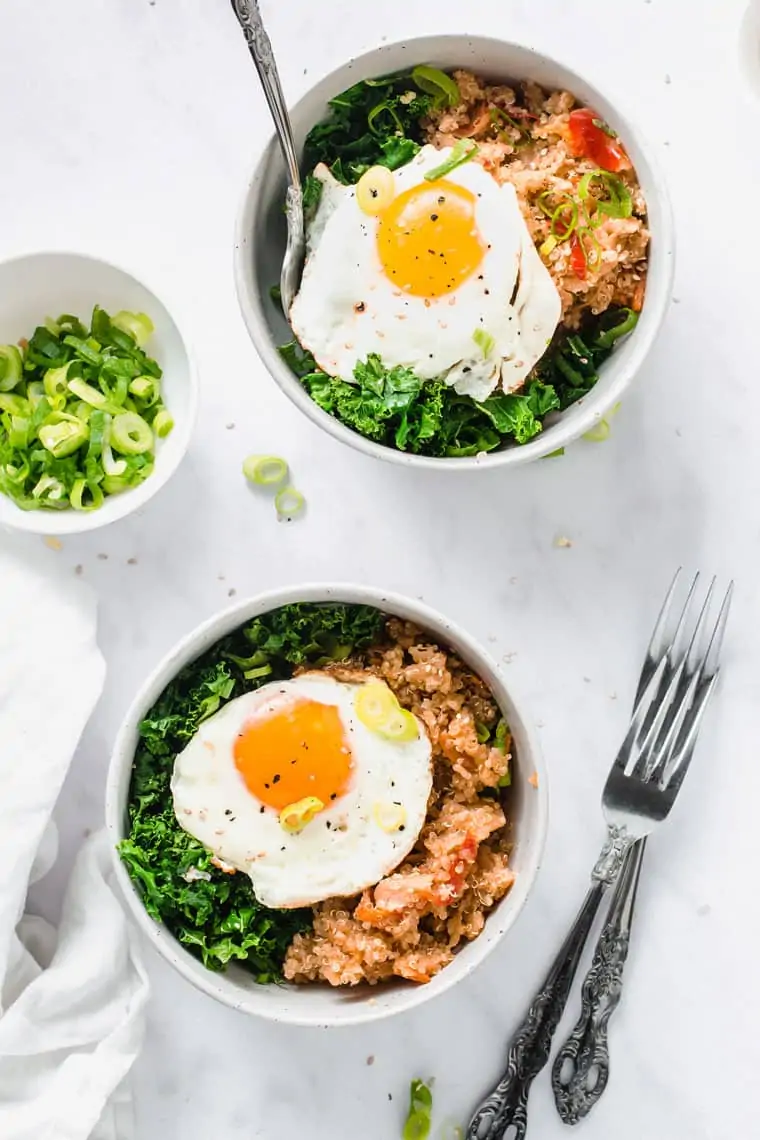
(213,803)
(511,296)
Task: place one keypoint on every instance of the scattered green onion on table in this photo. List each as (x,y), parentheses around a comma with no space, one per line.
(417,1123)
(271,471)
(80,411)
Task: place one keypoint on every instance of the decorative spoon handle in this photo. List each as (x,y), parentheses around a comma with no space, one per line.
(507,1106)
(260,47)
(582,1066)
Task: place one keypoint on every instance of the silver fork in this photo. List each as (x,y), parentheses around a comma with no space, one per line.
(581,1068)
(260,47)
(640,791)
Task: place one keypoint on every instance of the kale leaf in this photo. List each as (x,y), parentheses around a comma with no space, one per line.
(395,407)
(214,914)
(375,122)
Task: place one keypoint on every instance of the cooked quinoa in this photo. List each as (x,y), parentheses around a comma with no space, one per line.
(523,136)
(410,923)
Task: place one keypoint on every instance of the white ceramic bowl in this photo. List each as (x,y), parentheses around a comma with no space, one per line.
(41,285)
(260,237)
(316,1004)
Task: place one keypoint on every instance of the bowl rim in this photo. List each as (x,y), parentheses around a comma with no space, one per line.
(71,522)
(590,411)
(122,755)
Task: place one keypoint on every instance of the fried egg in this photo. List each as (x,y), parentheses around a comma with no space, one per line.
(445,280)
(296,752)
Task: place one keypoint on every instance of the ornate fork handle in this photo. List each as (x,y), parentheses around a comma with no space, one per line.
(507,1105)
(582,1066)
(260,47)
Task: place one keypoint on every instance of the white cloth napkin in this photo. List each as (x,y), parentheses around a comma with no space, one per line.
(72,1001)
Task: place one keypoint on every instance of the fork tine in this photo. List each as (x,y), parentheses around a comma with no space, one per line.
(672,730)
(673,648)
(710,667)
(692,653)
(640,714)
(672,780)
(650,746)
(655,648)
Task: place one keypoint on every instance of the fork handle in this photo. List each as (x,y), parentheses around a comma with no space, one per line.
(507,1106)
(260,47)
(582,1066)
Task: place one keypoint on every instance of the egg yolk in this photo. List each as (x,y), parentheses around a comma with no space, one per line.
(428,239)
(296,751)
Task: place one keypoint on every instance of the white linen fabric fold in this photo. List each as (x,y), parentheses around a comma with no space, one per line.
(72,1001)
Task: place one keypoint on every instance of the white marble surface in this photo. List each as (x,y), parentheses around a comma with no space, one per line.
(129,128)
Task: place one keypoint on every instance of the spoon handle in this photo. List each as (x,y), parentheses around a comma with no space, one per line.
(260,47)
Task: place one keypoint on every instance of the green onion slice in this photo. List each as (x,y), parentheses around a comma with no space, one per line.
(145,388)
(265,470)
(618,202)
(131,434)
(463,151)
(13,404)
(86,495)
(500,118)
(63,438)
(484,341)
(162,423)
(20,431)
(626,324)
(84,349)
(289,503)
(590,247)
(564,220)
(601,431)
(137,325)
(437,83)
(417,1124)
(111,466)
(55,382)
(92,396)
(50,489)
(11,366)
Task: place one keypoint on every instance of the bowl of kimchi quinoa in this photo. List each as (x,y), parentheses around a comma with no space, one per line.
(590,194)
(435,916)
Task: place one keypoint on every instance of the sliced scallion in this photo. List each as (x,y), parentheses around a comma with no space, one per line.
(162,423)
(437,83)
(484,341)
(417,1123)
(462,151)
(85,495)
(145,388)
(607,338)
(51,489)
(60,390)
(84,349)
(131,434)
(111,466)
(618,202)
(137,325)
(19,432)
(265,470)
(289,503)
(55,383)
(11,366)
(13,404)
(564,220)
(63,438)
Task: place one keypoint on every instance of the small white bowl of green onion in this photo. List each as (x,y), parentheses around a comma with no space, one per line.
(98,393)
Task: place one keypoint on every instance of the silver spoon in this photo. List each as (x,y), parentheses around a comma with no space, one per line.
(260,47)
